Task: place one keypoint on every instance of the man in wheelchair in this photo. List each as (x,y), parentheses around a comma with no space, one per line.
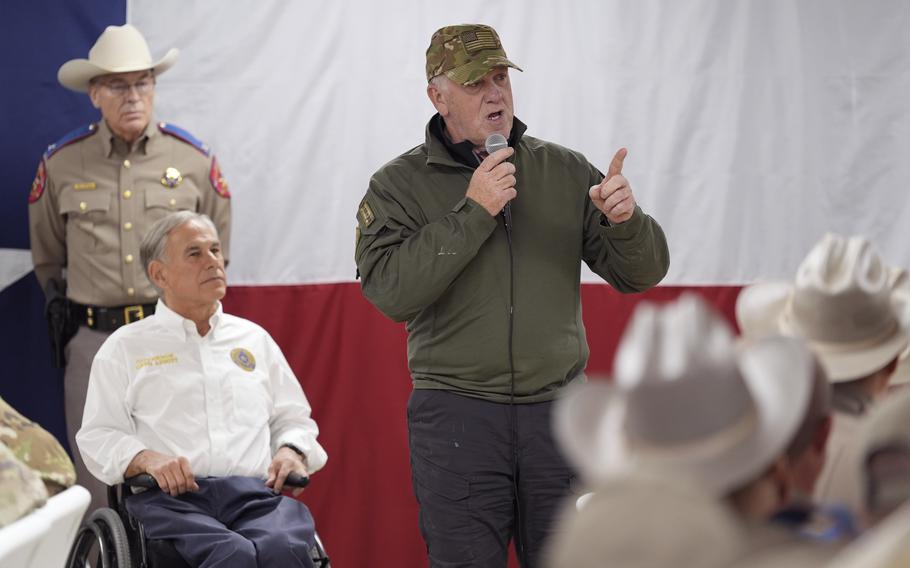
(205,403)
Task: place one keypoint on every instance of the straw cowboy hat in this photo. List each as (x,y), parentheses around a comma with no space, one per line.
(646,522)
(119,49)
(841,302)
(686,403)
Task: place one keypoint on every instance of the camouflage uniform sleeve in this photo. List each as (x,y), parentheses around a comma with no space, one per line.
(37,448)
(21,490)
(404,267)
(46,228)
(632,256)
(217,205)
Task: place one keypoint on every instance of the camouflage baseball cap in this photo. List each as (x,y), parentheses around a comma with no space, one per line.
(465,53)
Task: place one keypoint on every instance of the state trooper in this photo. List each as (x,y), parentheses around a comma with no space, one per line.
(97,191)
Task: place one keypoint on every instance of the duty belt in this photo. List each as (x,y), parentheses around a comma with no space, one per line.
(109,319)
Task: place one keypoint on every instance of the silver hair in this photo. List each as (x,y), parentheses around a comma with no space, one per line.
(441,82)
(154,242)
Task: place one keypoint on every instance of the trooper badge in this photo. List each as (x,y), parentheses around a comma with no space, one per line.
(171,178)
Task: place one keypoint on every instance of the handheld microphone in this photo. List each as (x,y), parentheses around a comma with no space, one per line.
(493,143)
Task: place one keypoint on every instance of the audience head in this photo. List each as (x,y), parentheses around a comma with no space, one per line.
(181,254)
(686,403)
(841,303)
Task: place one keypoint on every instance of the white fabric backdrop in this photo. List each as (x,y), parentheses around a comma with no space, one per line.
(753,126)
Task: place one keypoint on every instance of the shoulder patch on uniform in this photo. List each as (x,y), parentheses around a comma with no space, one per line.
(38,184)
(219,184)
(74,136)
(365,214)
(181,134)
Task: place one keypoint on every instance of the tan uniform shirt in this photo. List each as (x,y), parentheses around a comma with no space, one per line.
(839,482)
(769,546)
(94,199)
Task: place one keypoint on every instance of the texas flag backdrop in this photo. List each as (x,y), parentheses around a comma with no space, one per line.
(753,128)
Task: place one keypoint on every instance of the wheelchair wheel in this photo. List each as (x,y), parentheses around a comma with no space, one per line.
(317,554)
(101,542)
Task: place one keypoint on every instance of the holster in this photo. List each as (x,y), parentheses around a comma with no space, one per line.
(61,327)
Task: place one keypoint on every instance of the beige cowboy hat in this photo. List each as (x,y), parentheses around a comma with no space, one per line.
(119,49)
(648,522)
(687,403)
(840,301)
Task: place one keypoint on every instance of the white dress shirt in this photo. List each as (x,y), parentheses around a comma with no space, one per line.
(227,401)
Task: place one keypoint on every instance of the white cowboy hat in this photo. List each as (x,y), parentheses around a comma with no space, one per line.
(639,522)
(687,403)
(119,49)
(840,302)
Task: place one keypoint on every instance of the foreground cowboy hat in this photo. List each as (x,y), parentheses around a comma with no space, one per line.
(686,403)
(119,49)
(840,301)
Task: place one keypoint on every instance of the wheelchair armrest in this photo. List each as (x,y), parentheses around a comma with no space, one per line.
(146,481)
(297,480)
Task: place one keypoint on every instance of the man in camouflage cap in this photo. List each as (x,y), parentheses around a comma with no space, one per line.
(465,53)
(480,253)
(97,191)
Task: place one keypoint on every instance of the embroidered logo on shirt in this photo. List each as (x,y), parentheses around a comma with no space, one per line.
(243,359)
(365,214)
(38,184)
(156,361)
(219,184)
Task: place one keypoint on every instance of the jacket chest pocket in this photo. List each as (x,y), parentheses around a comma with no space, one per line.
(87,211)
(161,201)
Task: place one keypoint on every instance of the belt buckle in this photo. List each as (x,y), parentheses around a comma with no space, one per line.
(132,313)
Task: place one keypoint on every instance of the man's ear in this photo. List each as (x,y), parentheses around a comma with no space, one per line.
(94,93)
(157,273)
(438,99)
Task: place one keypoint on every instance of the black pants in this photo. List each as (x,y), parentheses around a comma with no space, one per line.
(231,522)
(484,473)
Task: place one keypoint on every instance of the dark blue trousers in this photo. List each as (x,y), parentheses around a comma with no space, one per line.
(484,473)
(229,522)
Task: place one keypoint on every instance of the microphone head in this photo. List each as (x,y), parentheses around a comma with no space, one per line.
(495,142)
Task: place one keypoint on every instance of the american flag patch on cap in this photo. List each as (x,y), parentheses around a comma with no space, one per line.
(476,40)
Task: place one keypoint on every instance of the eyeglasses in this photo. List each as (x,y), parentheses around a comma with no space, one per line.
(122,88)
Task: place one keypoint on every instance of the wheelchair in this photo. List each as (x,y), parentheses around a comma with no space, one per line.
(111,538)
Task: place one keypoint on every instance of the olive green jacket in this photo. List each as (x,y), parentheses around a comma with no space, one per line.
(431,257)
